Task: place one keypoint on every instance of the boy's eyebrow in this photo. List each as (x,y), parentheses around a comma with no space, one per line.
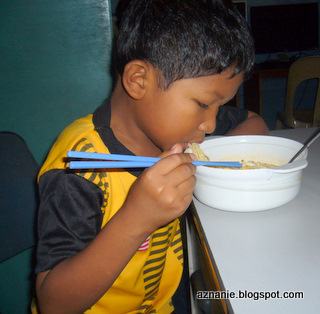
(219,95)
(215,93)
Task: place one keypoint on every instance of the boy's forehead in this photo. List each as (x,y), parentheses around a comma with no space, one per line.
(225,77)
(217,85)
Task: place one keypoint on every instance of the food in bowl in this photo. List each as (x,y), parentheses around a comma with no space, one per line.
(255,165)
(250,164)
(198,152)
(250,190)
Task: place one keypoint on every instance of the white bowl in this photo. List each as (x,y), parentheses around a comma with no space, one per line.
(252,189)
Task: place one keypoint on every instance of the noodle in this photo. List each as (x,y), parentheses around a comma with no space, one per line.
(198,152)
(200,155)
(255,165)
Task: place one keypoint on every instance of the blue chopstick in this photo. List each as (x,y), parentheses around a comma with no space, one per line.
(74,154)
(130,161)
(141,164)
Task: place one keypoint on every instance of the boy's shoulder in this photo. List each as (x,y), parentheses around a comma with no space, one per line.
(80,136)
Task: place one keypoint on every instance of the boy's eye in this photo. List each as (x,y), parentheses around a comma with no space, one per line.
(202,105)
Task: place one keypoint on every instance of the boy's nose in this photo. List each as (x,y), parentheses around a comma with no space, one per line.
(209,124)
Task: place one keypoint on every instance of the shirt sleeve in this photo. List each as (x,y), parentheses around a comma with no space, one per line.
(228,118)
(69,216)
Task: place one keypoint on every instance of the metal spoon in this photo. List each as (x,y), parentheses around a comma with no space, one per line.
(309,141)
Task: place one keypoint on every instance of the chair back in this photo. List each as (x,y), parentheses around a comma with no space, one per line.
(18,206)
(18,197)
(303,69)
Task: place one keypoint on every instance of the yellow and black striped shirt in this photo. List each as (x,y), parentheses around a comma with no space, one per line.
(75,205)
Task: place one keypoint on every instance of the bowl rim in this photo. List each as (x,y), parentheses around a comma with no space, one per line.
(238,139)
(245,138)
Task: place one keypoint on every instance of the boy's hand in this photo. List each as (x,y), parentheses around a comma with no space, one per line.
(164,191)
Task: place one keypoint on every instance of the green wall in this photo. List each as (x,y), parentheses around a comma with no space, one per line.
(55,59)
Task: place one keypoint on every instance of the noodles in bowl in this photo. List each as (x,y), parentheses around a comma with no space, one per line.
(250,164)
(255,165)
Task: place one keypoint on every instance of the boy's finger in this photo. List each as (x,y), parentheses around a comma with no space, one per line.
(181,173)
(171,162)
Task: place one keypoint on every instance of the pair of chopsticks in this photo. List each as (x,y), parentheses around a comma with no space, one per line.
(129,161)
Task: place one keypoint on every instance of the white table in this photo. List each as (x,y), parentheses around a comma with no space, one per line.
(273,250)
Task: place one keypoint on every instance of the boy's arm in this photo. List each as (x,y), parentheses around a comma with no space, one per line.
(253,125)
(162,193)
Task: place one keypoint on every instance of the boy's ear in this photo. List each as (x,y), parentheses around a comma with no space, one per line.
(135,78)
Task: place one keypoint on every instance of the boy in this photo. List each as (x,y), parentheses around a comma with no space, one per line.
(109,241)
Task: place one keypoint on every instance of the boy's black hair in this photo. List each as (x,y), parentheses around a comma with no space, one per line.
(185,38)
